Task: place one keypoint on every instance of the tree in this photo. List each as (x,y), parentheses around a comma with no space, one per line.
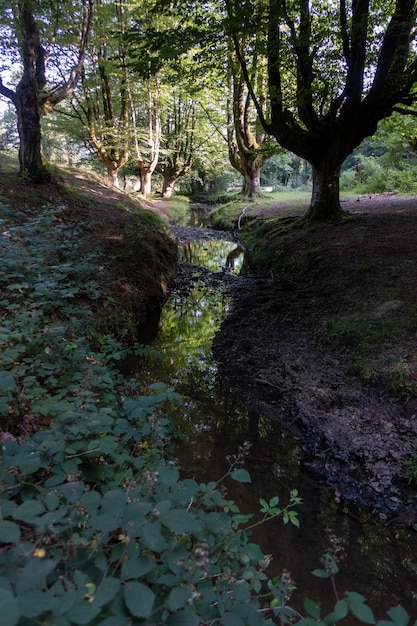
(335,69)
(37,28)
(172,45)
(8,129)
(102,103)
(178,139)
(249,145)
(146,120)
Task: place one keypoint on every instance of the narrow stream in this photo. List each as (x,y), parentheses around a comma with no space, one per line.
(376,560)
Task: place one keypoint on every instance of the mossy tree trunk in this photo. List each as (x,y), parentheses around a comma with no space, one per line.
(251,170)
(325,197)
(29,129)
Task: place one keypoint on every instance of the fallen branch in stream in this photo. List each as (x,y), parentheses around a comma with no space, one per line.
(241,216)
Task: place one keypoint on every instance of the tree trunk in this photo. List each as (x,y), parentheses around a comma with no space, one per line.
(325,197)
(145,178)
(113,173)
(252,183)
(30,135)
(168,184)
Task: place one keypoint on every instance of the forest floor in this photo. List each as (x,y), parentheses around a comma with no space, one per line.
(327,345)
(133,263)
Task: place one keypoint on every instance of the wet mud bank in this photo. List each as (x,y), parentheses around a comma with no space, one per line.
(354,437)
(270,351)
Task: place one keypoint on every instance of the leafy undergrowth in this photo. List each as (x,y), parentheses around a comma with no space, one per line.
(97,526)
(135,248)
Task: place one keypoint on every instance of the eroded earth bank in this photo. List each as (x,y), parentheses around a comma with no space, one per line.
(326,345)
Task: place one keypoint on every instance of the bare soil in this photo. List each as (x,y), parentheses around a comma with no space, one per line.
(326,345)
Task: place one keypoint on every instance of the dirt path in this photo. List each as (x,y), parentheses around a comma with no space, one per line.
(279,347)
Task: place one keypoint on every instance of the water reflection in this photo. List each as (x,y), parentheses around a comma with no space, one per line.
(378,561)
(215,254)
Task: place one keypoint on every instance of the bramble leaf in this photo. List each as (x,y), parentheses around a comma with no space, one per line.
(9,532)
(9,608)
(241,476)
(359,609)
(139,598)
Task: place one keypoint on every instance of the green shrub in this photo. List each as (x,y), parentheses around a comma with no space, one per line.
(410,469)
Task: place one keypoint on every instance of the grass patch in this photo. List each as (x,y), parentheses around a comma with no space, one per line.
(177,207)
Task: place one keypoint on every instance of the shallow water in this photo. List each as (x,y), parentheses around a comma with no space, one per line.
(377,560)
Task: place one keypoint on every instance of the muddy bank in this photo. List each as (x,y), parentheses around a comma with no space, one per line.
(353,436)
(272,349)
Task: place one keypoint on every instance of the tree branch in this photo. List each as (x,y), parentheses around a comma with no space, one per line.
(63,91)
(8,93)
(357,58)
(395,48)
(245,72)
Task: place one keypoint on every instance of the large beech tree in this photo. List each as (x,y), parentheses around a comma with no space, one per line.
(103,101)
(335,69)
(179,142)
(46,36)
(249,145)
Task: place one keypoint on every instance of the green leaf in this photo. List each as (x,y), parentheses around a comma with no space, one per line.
(139,598)
(52,501)
(134,568)
(232,619)
(183,618)
(83,613)
(36,603)
(178,597)
(158,386)
(106,591)
(264,504)
(359,609)
(134,517)
(105,522)
(29,510)
(398,615)
(34,574)
(30,463)
(168,476)
(152,537)
(9,608)
(241,476)
(341,609)
(73,491)
(312,608)
(180,521)
(7,382)
(320,573)
(114,501)
(9,532)
(110,621)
